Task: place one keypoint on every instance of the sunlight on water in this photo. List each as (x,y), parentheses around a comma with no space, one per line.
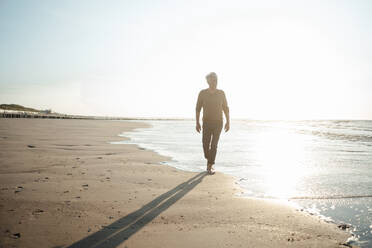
(280,154)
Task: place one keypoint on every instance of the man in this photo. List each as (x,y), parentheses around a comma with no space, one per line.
(213,102)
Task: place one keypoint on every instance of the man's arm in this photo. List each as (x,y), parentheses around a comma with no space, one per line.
(227,125)
(198,127)
(197,111)
(226,111)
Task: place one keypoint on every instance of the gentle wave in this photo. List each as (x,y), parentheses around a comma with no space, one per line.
(329,197)
(339,136)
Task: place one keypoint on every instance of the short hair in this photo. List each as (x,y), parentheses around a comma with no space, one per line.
(211,75)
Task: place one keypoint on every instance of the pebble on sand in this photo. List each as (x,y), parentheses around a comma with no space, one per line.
(16,235)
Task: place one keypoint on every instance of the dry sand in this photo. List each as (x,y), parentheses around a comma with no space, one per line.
(63,185)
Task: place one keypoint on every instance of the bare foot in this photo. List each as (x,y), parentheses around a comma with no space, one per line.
(209,169)
(209,166)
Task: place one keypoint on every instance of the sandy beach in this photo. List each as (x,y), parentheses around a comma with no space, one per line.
(62,184)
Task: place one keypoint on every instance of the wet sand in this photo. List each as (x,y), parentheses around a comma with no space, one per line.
(63,185)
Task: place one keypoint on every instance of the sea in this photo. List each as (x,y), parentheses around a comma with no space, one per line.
(323,167)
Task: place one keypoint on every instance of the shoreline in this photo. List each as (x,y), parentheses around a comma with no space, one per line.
(291,202)
(113,184)
(286,201)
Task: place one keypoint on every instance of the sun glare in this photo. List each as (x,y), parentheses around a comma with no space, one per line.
(281,154)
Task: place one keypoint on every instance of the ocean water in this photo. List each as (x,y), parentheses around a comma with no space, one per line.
(324,167)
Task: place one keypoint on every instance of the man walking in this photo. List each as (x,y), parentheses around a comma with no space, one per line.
(213,102)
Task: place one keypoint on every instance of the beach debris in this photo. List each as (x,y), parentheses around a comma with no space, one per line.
(46,177)
(85,185)
(31,146)
(66,191)
(69,174)
(19,189)
(99,158)
(4,188)
(107,177)
(78,197)
(37,211)
(344,226)
(111,217)
(89,229)
(290,239)
(16,235)
(77,158)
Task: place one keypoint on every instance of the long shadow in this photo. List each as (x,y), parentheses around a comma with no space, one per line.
(113,235)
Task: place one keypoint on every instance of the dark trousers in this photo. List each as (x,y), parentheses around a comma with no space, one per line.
(211,135)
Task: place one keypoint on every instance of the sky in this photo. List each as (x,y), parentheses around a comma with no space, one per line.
(274,59)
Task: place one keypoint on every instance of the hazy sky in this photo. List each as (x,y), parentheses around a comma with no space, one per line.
(275,59)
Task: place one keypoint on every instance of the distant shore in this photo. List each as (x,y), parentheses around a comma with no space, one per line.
(40,115)
(64,185)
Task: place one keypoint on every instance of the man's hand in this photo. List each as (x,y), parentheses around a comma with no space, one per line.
(227,126)
(198,127)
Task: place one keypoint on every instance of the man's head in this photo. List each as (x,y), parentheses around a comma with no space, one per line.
(212,80)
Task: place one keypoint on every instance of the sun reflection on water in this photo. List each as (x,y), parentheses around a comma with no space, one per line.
(281,155)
